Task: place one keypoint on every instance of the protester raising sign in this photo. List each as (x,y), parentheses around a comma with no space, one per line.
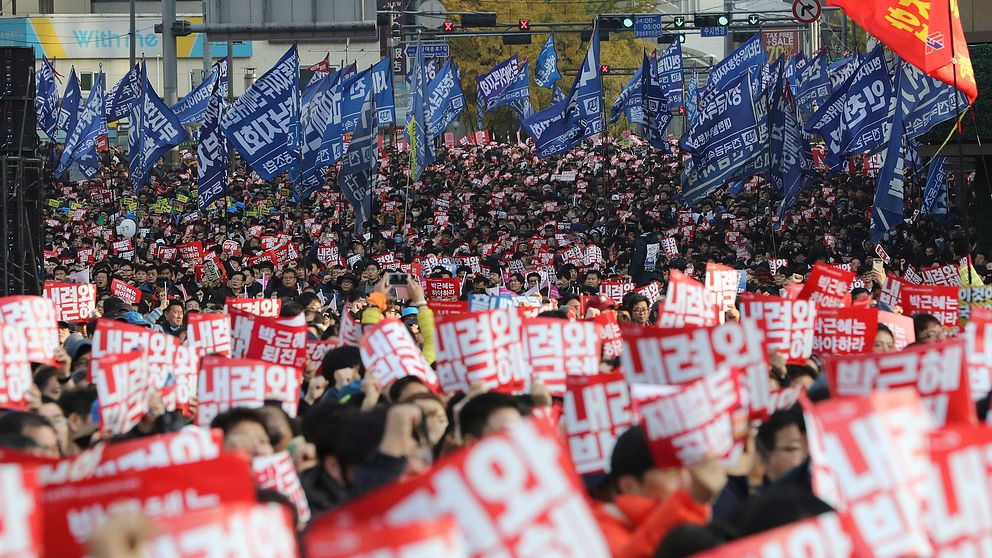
(278,473)
(390,353)
(686,303)
(433,537)
(442,289)
(978,351)
(842,331)
(124,291)
(684,424)
(276,340)
(673,357)
(542,500)
(317,349)
(74,302)
(21,513)
(829,286)
(555,349)
(243,529)
(788,324)
(480,348)
(264,307)
(209,334)
(891,295)
(610,334)
(936,371)
(597,410)
(123,389)
(869,454)
(35,317)
(960,472)
(15,370)
(941,302)
(721,286)
(226,383)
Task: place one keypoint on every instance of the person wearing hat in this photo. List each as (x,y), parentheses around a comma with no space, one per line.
(640,503)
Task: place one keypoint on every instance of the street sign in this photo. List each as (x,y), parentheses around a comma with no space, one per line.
(753,19)
(647,26)
(718,31)
(679,21)
(432,14)
(437,50)
(806,11)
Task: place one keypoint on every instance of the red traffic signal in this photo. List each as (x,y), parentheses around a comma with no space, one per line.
(604,69)
(449,26)
(525,25)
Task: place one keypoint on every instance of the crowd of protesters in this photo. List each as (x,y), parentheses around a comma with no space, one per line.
(517,215)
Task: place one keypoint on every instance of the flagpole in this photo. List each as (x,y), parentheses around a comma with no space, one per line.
(959,185)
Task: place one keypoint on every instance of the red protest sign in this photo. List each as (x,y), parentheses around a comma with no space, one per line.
(191,252)
(20,514)
(941,302)
(651,291)
(444,308)
(433,537)
(788,324)
(827,285)
(597,410)
(35,317)
(936,371)
(442,289)
(554,349)
(317,349)
(672,357)
(826,535)
(946,275)
(610,334)
(721,286)
(901,327)
(615,289)
(978,338)
(686,303)
(869,458)
(278,473)
(189,445)
(683,424)
(15,370)
(164,355)
(124,291)
(842,331)
(74,302)
(480,348)
(390,353)
(497,515)
(123,389)
(891,295)
(73,510)
(265,307)
(959,507)
(226,383)
(242,529)
(276,340)
(209,333)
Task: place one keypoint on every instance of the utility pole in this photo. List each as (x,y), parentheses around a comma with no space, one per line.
(131,35)
(169,88)
(206,45)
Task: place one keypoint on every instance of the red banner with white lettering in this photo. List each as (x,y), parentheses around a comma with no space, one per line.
(554,349)
(444,308)
(278,473)
(123,389)
(21,512)
(941,302)
(721,285)
(277,340)
(936,371)
(243,529)
(265,307)
(74,302)
(827,535)
(959,507)
(480,348)
(868,457)
(15,370)
(978,356)
(610,334)
(891,294)
(390,353)
(788,324)
(442,289)
(433,537)
(843,331)
(683,424)
(35,317)
(226,383)
(73,510)
(125,291)
(686,303)
(166,360)
(191,252)
(597,410)
(828,286)
(615,289)
(317,349)
(542,499)
(209,333)
(672,357)
(900,326)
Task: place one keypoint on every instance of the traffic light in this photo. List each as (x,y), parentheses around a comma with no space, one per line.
(524,25)
(604,68)
(668,38)
(678,22)
(516,38)
(711,20)
(616,22)
(586,35)
(479,19)
(753,19)
(448,26)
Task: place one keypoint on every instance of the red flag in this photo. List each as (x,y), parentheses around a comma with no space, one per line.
(923,33)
